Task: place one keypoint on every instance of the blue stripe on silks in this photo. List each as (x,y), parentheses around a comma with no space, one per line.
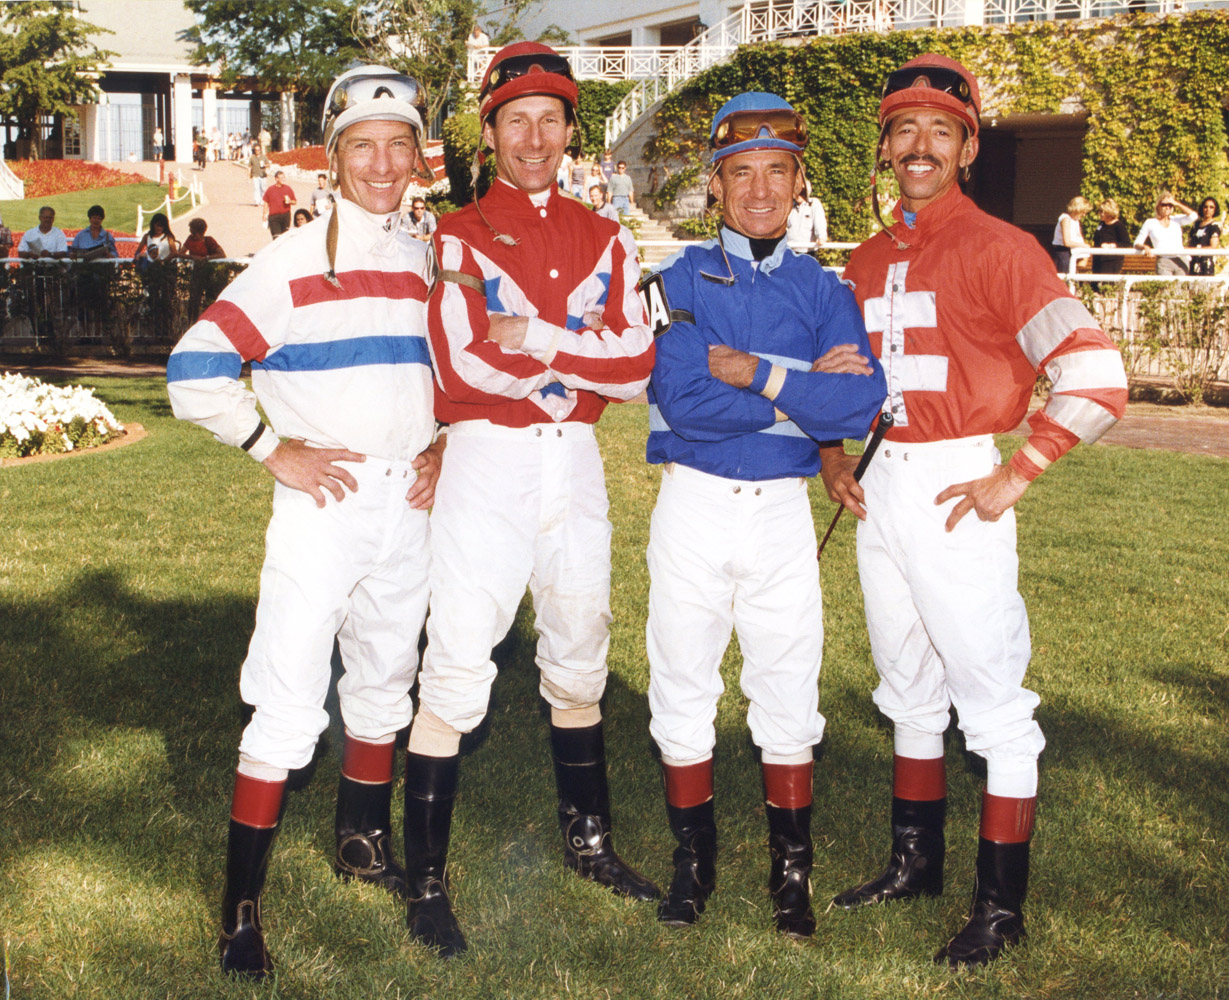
(185,366)
(574,322)
(605,280)
(492,295)
(554,389)
(356,352)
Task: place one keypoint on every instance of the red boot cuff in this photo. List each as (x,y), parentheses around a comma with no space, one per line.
(688,786)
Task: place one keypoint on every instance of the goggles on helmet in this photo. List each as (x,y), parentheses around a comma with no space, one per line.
(368,87)
(515,67)
(947,81)
(743,126)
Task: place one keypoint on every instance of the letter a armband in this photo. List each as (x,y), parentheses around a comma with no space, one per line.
(652,292)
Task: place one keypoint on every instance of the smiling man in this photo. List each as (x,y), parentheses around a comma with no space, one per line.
(535,324)
(333,323)
(766,358)
(963,310)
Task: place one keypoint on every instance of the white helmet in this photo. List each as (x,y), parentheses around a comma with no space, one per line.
(372,93)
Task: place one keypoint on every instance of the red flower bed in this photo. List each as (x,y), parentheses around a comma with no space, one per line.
(312,158)
(48,177)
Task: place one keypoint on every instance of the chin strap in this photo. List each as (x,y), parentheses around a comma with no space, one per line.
(475,168)
(882,164)
(330,244)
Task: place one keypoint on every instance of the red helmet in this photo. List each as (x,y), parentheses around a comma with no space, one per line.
(932,81)
(522,69)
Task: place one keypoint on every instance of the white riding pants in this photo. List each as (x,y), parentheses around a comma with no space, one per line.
(516,507)
(947,624)
(356,570)
(728,554)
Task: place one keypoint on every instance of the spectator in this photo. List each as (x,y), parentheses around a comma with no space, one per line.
(421,222)
(608,167)
(301,217)
(321,197)
(564,173)
(159,242)
(277,204)
(6,239)
(199,246)
(258,168)
(620,188)
(598,197)
(478,39)
(158,143)
(597,177)
(1164,233)
(47,241)
(1206,234)
(158,246)
(578,178)
(94,242)
(807,221)
(1067,233)
(1111,232)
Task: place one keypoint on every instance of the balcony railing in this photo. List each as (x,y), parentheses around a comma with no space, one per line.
(592,62)
(778,20)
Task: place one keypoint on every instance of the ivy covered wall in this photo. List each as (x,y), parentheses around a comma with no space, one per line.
(1154,89)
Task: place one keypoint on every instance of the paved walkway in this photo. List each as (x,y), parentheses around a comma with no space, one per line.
(233,220)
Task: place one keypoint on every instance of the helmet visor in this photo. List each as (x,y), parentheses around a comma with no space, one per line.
(939,78)
(515,67)
(743,126)
(363,87)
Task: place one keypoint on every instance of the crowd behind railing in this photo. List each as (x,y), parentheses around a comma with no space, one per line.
(1169,326)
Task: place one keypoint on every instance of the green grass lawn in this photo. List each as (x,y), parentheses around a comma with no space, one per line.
(127,588)
(120,204)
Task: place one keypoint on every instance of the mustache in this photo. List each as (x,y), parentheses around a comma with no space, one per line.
(919,158)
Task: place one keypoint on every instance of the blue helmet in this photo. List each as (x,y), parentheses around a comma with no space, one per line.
(757,120)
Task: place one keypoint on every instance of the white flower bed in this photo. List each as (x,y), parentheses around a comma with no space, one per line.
(41,419)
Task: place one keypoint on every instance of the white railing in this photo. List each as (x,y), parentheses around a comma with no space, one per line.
(12,187)
(777,20)
(193,195)
(591,62)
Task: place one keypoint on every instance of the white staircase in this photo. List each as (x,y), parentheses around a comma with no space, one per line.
(649,233)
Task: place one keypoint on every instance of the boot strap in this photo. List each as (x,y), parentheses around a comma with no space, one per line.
(252,906)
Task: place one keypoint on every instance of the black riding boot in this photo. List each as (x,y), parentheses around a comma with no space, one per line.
(430,788)
(996,920)
(695,873)
(916,865)
(584,813)
(364,839)
(789,877)
(242,944)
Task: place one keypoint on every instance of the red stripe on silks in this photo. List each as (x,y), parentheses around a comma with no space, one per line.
(788,786)
(371,763)
(316,288)
(919,780)
(239,330)
(255,802)
(1007,821)
(688,786)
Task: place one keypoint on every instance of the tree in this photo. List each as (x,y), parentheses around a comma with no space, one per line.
(426,38)
(299,46)
(47,63)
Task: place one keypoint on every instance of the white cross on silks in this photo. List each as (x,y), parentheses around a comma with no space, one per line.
(890,315)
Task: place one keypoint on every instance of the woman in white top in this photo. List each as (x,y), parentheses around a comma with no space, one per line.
(1067,233)
(159,243)
(1165,232)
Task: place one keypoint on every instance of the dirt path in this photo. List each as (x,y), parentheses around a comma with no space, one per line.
(1198,430)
